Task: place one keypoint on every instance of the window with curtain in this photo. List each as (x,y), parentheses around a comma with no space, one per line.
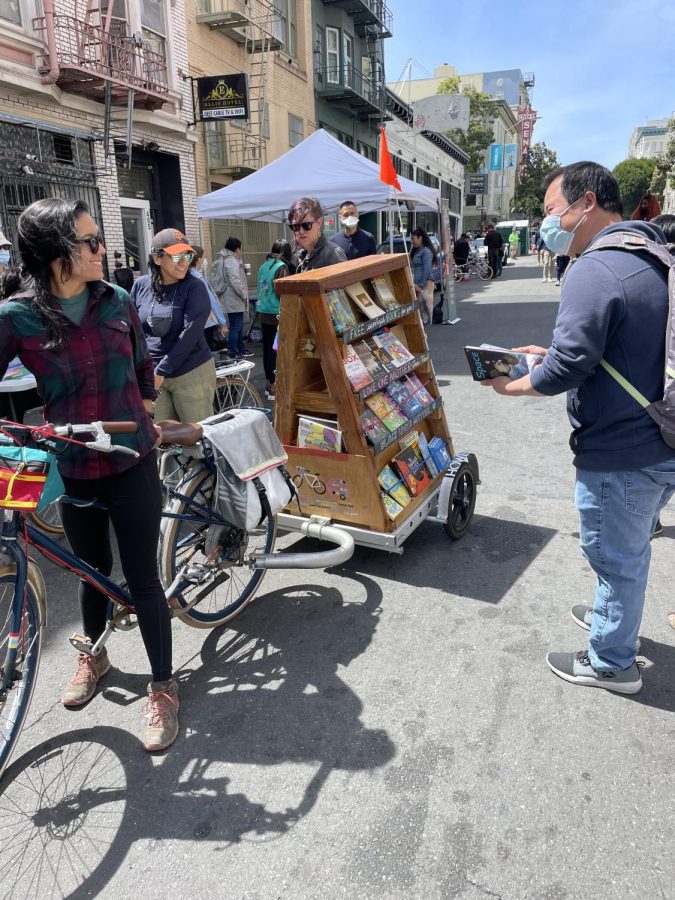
(10,11)
(284,27)
(153,22)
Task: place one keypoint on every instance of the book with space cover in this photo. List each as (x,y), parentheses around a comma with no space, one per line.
(489,361)
(412,470)
(362,299)
(417,389)
(319,434)
(394,348)
(407,403)
(340,310)
(357,373)
(394,485)
(374,367)
(385,410)
(383,292)
(373,428)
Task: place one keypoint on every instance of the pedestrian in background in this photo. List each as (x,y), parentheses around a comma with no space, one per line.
(278,264)
(354,242)
(173,308)
(647,209)
(422,258)
(228,280)
(5,252)
(461,250)
(514,242)
(494,242)
(122,273)
(548,262)
(625,470)
(561,263)
(305,219)
(216,329)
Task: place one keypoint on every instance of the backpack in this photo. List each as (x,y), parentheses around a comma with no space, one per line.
(268,300)
(252,480)
(662,410)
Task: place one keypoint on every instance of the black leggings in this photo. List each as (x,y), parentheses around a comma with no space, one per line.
(134,506)
(269,353)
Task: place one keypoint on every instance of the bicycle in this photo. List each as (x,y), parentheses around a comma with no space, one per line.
(477,268)
(233,390)
(204,553)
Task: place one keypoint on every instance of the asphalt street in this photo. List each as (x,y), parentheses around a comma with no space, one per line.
(385,729)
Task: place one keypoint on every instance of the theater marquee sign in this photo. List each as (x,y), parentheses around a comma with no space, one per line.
(222,97)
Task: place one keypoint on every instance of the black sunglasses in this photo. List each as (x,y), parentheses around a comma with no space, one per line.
(306,226)
(95,243)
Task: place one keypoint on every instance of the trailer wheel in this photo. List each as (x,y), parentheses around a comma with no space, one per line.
(462,502)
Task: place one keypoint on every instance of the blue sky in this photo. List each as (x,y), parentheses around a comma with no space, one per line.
(600,69)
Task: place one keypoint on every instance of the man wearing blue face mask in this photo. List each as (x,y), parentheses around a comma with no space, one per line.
(613,308)
(5,247)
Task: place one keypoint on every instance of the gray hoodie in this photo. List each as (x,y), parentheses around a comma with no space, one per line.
(228,280)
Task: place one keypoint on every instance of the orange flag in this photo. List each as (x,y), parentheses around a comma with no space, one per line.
(387,170)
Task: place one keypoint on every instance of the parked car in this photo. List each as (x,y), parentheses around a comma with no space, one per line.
(479,247)
(403,245)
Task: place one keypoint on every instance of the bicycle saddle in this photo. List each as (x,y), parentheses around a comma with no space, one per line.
(182,433)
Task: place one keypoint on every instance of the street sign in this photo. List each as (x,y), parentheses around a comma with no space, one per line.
(476,184)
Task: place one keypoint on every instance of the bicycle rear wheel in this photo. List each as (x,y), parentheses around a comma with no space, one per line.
(19,661)
(233,392)
(207,540)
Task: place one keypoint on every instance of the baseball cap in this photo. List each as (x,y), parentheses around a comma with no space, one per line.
(171,241)
(3,241)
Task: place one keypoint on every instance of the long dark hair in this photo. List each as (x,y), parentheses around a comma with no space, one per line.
(47,233)
(426,242)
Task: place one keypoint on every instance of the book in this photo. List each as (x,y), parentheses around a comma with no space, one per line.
(392,508)
(489,361)
(385,410)
(394,485)
(426,455)
(319,434)
(417,389)
(439,453)
(407,403)
(340,310)
(383,292)
(383,359)
(412,470)
(373,428)
(397,351)
(362,299)
(374,367)
(357,373)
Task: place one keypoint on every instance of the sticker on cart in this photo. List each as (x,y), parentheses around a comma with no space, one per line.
(338,487)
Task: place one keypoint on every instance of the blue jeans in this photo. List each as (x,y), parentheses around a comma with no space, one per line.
(617,515)
(235,341)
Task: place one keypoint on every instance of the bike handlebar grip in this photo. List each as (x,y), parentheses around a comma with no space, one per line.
(120,427)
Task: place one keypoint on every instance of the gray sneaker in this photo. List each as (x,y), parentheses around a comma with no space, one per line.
(82,687)
(162,711)
(583,615)
(577,669)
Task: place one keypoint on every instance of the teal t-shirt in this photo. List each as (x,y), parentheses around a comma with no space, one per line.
(75,307)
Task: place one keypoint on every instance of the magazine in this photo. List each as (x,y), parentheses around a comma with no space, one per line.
(392,508)
(408,404)
(373,428)
(319,434)
(383,292)
(394,485)
(357,373)
(340,310)
(374,366)
(412,469)
(398,352)
(385,410)
(362,298)
(489,361)
(417,389)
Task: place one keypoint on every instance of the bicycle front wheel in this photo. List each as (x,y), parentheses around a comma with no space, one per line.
(19,656)
(205,539)
(48,519)
(233,392)
(485,273)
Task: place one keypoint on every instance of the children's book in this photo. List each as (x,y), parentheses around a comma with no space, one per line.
(439,453)
(489,361)
(357,373)
(340,310)
(373,428)
(415,387)
(407,403)
(412,469)
(320,434)
(385,410)
(374,367)
(426,455)
(398,352)
(394,485)
(362,299)
(384,292)
(392,508)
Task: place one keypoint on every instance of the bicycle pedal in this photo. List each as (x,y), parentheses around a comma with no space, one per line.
(82,643)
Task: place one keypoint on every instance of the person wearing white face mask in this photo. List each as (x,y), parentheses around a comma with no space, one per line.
(353,241)
(613,312)
(5,247)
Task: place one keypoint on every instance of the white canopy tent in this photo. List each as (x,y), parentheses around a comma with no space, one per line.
(318,167)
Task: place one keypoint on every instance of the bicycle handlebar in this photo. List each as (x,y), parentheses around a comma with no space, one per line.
(92,428)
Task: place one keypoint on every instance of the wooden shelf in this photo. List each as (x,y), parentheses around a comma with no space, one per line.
(391,315)
(384,380)
(407,426)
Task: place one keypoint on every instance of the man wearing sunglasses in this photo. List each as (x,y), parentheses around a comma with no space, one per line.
(305,219)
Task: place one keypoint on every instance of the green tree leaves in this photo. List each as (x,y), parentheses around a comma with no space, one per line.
(537,162)
(634,177)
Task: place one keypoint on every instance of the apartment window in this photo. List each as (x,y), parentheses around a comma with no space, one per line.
(296,130)
(10,11)
(319,51)
(348,61)
(153,22)
(285,26)
(118,17)
(333,55)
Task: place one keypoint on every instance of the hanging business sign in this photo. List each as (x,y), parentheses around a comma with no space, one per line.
(442,112)
(526,119)
(496,157)
(222,97)
(476,184)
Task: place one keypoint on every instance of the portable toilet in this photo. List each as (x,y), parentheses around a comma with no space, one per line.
(523,228)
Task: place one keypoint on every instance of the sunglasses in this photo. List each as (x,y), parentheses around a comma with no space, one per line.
(306,226)
(95,243)
(187,255)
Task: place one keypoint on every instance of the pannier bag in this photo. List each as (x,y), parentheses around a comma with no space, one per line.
(250,460)
(23,475)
